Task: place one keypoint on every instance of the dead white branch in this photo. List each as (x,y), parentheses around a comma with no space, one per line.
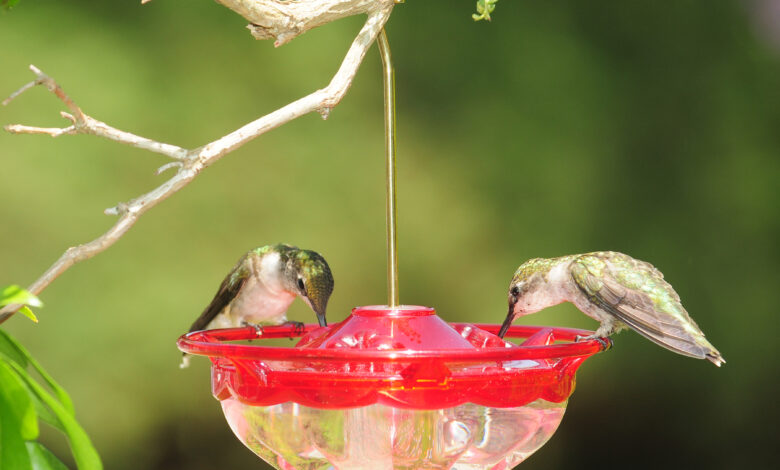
(191,162)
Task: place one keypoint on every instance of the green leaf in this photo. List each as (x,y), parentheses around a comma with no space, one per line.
(42,458)
(13,453)
(8,348)
(16,295)
(12,350)
(16,395)
(44,413)
(19,350)
(484,9)
(25,310)
(84,452)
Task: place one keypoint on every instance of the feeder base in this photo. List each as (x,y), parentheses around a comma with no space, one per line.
(466,437)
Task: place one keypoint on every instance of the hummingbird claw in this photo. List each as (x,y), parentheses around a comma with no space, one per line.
(606,343)
(258,328)
(297,327)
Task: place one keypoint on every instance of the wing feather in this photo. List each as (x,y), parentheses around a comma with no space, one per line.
(624,287)
(228,290)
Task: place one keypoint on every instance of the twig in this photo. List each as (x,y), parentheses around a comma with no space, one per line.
(189,162)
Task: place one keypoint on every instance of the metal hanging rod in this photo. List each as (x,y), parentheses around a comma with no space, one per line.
(388,75)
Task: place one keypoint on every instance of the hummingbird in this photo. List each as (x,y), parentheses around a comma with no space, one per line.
(616,290)
(262,285)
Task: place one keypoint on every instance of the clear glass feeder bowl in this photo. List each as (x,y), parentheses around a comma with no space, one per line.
(393,389)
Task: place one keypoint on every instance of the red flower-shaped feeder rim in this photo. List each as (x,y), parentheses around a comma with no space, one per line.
(404,357)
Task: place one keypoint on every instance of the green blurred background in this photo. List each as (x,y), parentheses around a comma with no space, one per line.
(646,127)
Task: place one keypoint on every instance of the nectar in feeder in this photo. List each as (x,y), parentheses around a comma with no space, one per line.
(393,388)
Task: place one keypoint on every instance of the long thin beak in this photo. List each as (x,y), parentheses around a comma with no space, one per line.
(321,319)
(318,308)
(508,322)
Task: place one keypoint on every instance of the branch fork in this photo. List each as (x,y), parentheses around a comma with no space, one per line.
(282,20)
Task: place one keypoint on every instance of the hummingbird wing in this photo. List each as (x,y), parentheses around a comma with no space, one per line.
(636,294)
(228,290)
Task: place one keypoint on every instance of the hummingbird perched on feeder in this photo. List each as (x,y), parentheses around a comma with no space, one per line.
(615,289)
(262,285)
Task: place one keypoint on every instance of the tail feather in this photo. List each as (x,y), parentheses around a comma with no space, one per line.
(715,358)
(696,347)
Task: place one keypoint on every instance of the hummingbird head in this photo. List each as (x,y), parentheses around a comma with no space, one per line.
(526,283)
(308,275)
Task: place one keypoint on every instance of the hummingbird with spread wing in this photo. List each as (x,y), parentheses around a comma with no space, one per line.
(262,285)
(616,290)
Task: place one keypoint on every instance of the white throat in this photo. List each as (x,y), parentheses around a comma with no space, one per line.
(263,299)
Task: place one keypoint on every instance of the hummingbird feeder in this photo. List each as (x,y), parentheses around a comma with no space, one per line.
(393,387)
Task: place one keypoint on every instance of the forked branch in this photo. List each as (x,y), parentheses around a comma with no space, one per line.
(189,163)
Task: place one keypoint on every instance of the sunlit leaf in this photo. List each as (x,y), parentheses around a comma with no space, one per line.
(13,453)
(84,453)
(13,351)
(10,349)
(25,310)
(15,394)
(484,9)
(44,413)
(16,295)
(19,350)
(42,458)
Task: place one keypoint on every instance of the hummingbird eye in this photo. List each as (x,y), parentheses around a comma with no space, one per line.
(301,286)
(515,290)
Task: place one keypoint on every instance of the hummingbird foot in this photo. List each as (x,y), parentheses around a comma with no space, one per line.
(185,361)
(605,342)
(258,328)
(297,327)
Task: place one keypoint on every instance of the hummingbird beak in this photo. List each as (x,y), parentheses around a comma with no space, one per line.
(321,319)
(319,309)
(509,317)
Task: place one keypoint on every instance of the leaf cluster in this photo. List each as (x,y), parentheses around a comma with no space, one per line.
(24,401)
(484,9)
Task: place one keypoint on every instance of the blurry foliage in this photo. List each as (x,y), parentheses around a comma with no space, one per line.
(484,9)
(645,127)
(8,4)
(23,401)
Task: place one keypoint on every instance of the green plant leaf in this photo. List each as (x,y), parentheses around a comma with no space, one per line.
(84,452)
(12,350)
(16,395)
(484,9)
(44,413)
(13,453)
(8,348)
(19,350)
(16,295)
(25,310)
(42,458)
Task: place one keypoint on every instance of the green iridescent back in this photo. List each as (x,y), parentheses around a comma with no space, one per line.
(633,274)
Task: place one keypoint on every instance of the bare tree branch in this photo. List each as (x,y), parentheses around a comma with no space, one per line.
(191,162)
(283,20)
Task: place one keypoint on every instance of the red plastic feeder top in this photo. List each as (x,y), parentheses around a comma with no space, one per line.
(403,357)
